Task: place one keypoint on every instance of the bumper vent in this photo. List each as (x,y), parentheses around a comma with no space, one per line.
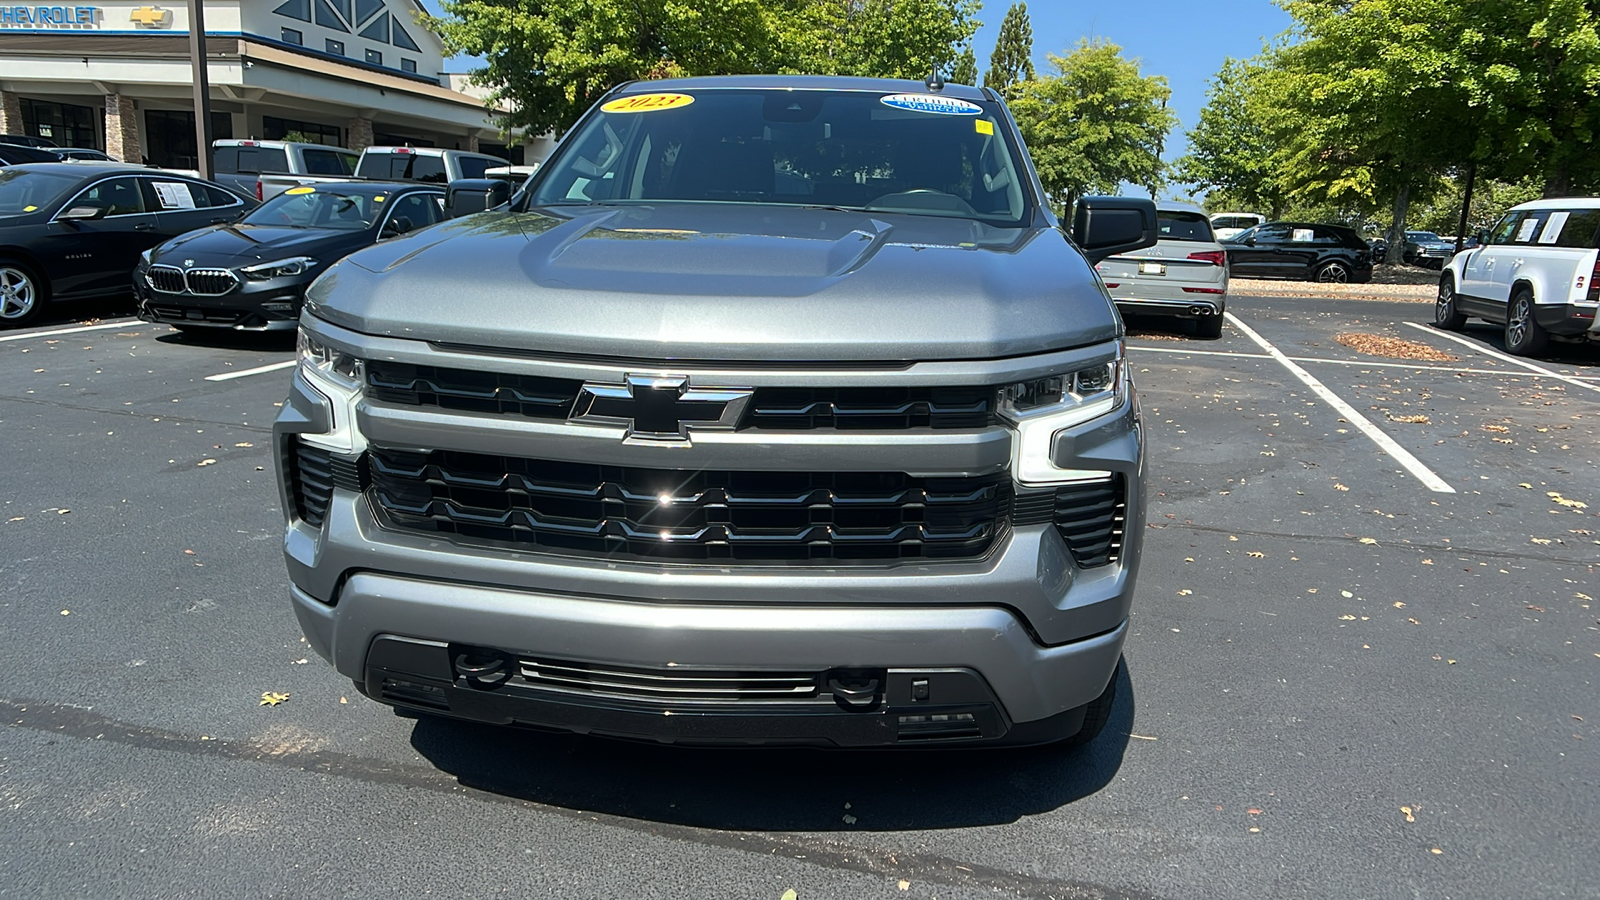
(1091,518)
(314,473)
(772,408)
(668,685)
(586,509)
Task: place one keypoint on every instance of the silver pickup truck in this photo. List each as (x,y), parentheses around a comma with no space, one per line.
(242,165)
(771,410)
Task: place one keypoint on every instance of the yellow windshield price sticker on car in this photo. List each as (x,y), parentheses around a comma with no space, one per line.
(300,190)
(984,126)
(379,199)
(29,208)
(647,103)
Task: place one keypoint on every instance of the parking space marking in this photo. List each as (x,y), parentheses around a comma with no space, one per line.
(243,373)
(1385,443)
(102,326)
(1490,351)
(1363,363)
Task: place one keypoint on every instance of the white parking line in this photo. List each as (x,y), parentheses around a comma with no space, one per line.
(243,373)
(1489,351)
(1361,363)
(75,330)
(1385,443)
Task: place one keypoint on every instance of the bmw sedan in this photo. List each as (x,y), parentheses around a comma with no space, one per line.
(252,276)
(73,231)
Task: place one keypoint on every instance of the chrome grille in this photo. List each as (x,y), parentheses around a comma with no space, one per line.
(668,684)
(588,509)
(165,279)
(201,282)
(210,282)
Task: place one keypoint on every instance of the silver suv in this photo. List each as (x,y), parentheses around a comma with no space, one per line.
(770,410)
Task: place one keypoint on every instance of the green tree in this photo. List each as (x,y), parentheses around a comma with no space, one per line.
(1231,148)
(965,70)
(1012,60)
(875,38)
(1095,123)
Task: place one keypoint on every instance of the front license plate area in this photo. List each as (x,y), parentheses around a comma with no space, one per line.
(1152,268)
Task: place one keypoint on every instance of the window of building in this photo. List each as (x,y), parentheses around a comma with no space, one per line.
(295,9)
(276,129)
(335,47)
(374,58)
(327,18)
(169,137)
(291,36)
(403,40)
(64,124)
(377,29)
(408,65)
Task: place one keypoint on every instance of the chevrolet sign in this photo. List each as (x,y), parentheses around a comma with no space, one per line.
(53,17)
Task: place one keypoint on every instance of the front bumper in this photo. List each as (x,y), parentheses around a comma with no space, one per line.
(1010,646)
(271,305)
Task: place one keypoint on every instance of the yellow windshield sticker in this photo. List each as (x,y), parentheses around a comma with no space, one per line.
(984,126)
(29,208)
(300,190)
(379,199)
(647,103)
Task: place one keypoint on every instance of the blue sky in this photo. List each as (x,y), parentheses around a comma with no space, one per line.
(1184,40)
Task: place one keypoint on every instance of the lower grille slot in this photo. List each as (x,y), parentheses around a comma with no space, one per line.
(659,685)
(582,508)
(312,478)
(1092,519)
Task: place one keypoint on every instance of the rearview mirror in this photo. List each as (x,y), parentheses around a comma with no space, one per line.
(83,212)
(1107,226)
(466,196)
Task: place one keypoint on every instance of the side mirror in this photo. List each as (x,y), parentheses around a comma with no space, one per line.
(83,212)
(1249,242)
(397,226)
(1107,226)
(466,196)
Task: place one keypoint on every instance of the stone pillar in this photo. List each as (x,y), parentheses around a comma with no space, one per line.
(358,133)
(472,142)
(122,129)
(10,113)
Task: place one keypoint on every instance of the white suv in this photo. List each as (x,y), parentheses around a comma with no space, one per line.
(1536,273)
(1226,225)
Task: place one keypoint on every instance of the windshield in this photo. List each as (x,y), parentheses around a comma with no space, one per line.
(23,192)
(1422,236)
(906,153)
(1182,226)
(307,207)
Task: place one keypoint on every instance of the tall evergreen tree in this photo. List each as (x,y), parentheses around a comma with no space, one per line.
(965,70)
(1012,60)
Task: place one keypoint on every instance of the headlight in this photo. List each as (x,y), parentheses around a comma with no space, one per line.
(1044,407)
(279,268)
(330,364)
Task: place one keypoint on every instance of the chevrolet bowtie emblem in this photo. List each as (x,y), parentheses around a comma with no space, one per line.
(151,17)
(660,407)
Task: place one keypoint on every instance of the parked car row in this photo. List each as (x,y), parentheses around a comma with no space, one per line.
(267,168)
(200,255)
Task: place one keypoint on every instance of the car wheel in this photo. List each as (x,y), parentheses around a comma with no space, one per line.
(1524,335)
(1097,712)
(1209,327)
(1445,314)
(1334,272)
(22,294)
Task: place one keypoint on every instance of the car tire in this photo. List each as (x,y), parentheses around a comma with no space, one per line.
(1445,313)
(1524,335)
(22,294)
(1097,712)
(1332,272)
(1209,327)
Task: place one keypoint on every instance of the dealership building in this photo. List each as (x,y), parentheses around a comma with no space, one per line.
(118,77)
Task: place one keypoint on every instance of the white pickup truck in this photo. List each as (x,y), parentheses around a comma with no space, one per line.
(243,164)
(425,164)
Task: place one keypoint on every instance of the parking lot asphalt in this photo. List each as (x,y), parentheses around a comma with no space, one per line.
(1363,662)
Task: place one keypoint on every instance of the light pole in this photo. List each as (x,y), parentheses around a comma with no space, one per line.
(202,88)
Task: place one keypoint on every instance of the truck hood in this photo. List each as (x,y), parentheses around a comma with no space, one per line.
(236,245)
(724,282)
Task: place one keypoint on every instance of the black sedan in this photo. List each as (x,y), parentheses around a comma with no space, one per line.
(70,230)
(1299,250)
(253,275)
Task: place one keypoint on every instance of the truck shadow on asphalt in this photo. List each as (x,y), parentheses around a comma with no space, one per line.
(758,789)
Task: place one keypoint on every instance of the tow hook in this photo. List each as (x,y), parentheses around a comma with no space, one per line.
(856,691)
(482,668)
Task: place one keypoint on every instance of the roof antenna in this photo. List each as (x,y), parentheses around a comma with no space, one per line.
(935,81)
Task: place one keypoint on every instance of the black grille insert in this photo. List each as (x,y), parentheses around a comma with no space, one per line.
(772,408)
(1092,519)
(311,478)
(583,508)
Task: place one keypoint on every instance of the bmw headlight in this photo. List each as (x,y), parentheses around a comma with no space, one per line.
(279,268)
(1042,408)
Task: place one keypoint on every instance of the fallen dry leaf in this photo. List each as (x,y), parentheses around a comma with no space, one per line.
(1525,485)
(849,819)
(1540,541)
(1411,420)
(904,885)
(1369,540)
(1427,562)
(1414,621)
(207,462)
(1256,554)
(1346,594)
(1340,487)
(272,698)
(1407,811)
(1498,429)
(1535,608)
(1399,604)
(1184,592)
(1347,618)
(1391,347)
